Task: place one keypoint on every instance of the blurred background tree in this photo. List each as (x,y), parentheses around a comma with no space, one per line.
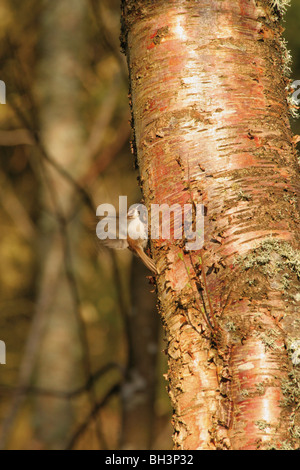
(85,360)
(291,33)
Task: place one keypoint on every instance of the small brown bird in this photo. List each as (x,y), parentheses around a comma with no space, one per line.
(134,236)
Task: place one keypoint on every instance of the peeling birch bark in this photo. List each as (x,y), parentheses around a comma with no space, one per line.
(210,120)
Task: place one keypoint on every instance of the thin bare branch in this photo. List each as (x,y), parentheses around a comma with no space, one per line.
(65,395)
(15,209)
(16,137)
(83,427)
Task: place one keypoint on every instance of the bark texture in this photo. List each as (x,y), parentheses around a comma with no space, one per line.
(210,118)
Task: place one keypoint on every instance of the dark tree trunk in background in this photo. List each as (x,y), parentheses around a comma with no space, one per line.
(211,126)
(138,391)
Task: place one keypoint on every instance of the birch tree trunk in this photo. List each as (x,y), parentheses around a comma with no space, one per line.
(210,119)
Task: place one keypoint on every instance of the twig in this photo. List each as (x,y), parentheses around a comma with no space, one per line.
(16,137)
(213,326)
(25,390)
(200,307)
(106,156)
(29,355)
(15,209)
(106,37)
(74,291)
(60,169)
(210,317)
(114,390)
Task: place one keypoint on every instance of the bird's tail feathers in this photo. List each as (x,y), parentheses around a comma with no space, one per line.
(147,261)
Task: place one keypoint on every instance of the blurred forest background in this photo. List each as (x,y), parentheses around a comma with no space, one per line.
(85,349)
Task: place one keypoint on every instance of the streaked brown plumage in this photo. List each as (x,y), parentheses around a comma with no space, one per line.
(137,246)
